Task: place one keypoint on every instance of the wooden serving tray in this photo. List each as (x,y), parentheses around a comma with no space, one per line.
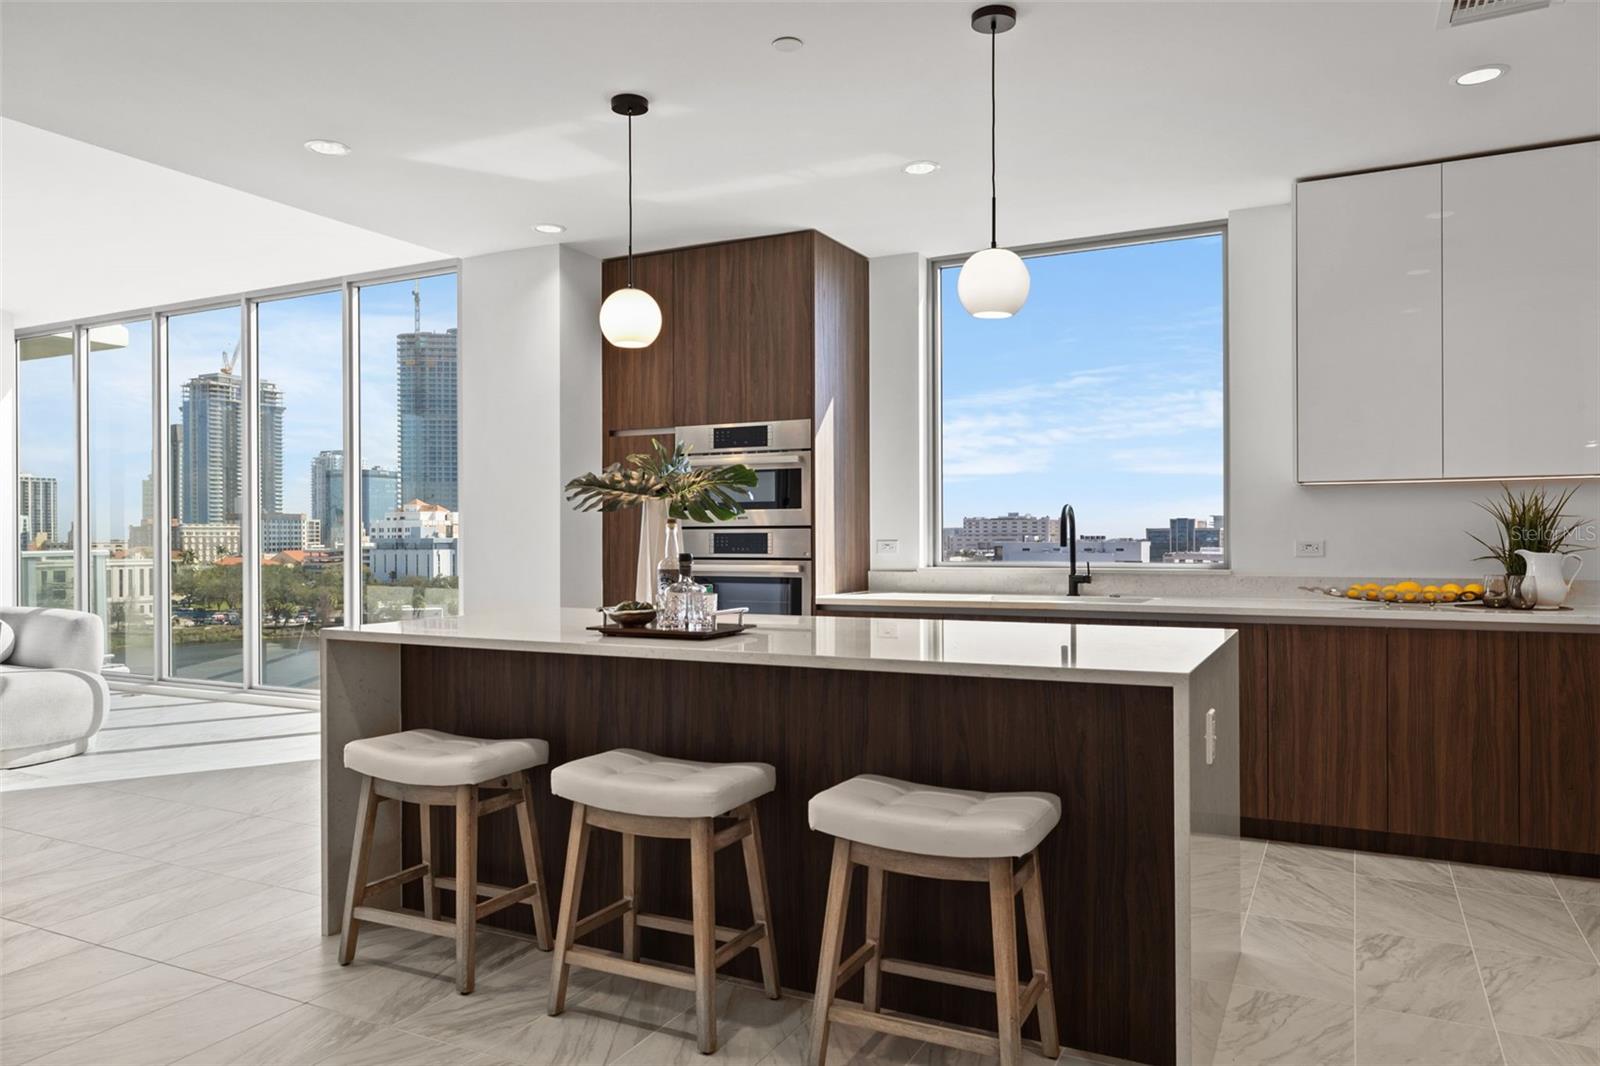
(724,629)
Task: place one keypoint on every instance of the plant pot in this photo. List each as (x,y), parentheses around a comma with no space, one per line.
(652,533)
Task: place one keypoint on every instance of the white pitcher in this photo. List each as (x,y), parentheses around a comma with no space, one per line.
(1551,581)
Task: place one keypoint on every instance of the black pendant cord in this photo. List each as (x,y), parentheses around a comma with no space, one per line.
(994,189)
(630,201)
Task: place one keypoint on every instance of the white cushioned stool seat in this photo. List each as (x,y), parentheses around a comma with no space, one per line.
(636,782)
(429,757)
(946,822)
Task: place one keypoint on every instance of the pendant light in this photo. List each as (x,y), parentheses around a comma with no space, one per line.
(994,282)
(630,317)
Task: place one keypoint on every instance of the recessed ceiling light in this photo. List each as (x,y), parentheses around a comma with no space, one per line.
(921,166)
(788,44)
(1482,74)
(549,227)
(322,147)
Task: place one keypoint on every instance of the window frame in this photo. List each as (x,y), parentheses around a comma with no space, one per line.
(933,520)
(158,316)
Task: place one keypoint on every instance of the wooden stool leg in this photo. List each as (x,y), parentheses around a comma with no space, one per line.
(630,892)
(755,870)
(466,887)
(360,855)
(874,968)
(832,945)
(567,917)
(430,894)
(1003,923)
(533,862)
(1039,957)
(702,886)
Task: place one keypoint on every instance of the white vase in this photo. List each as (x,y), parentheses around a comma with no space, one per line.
(652,534)
(1551,578)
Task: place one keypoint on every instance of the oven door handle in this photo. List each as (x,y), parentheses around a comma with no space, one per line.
(750,459)
(704,569)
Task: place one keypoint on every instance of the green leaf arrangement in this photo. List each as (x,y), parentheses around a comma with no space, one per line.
(1531,519)
(698,494)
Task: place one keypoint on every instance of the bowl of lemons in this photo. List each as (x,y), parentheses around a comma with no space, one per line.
(1415,594)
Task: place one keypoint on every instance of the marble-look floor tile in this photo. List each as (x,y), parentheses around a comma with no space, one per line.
(1532,1051)
(1434,978)
(1264,1028)
(63,1021)
(175,1030)
(28,855)
(1304,892)
(1409,908)
(847,1046)
(1550,998)
(749,1028)
(1213,944)
(1580,890)
(1386,1039)
(1216,879)
(245,790)
(311,1036)
(1333,860)
(206,926)
(105,906)
(395,974)
(256,946)
(86,967)
(1299,957)
(1208,1007)
(175,897)
(23,945)
(1588,919)
(1527,925)
(54,894)
(1518,882)
(1402,868)
(937,1055)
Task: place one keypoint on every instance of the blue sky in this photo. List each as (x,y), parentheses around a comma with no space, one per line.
(1104,391)
(300,352)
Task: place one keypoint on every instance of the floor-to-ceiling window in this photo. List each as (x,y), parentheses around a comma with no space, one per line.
(300,411)
(292,454)
(47,468)
(409,500)
(122,500)
(205,427)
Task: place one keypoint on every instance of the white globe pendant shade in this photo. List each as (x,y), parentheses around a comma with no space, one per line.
(630,318)
(993,283)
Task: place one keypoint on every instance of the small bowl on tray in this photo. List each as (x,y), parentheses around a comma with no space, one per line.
(629,617)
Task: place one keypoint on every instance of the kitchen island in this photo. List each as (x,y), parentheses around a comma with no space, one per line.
(1136,729)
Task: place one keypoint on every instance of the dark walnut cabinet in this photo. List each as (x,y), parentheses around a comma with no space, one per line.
(756,330)
(1559,683)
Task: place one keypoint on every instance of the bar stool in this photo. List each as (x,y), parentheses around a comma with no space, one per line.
(897,827)
(434,769)
(642,795)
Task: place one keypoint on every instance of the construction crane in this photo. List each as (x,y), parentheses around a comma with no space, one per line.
(416,307)
(230,361)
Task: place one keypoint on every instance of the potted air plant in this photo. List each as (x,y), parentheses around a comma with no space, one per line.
(1533,543)
(668,487)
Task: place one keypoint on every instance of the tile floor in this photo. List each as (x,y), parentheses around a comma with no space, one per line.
(157,904)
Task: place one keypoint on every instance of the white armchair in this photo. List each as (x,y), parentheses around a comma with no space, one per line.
(52,697)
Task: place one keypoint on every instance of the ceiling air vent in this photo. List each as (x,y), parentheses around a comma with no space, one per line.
(1461,12)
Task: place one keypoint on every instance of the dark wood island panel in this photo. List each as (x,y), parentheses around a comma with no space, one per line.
(1108,868)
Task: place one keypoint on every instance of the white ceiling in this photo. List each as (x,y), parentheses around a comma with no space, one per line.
(472,121)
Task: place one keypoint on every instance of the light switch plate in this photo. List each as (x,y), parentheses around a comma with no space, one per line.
(888,547)
(1308,549)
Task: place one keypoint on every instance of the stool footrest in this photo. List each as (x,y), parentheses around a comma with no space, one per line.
(509,898)
(747,939)
(484,887)
(604,916)
(404,920)
(858,958)
(731,835)
(682,926)
(944,975)
(498,803)
(914,1029)
(1029,998)
(606,962)
(404,877)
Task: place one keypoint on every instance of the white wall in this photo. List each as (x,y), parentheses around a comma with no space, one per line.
(1381,530)
(530,419)
(898,384)
(1368,530)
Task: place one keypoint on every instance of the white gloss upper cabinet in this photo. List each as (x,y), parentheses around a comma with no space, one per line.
(1367,293)
(1522,313)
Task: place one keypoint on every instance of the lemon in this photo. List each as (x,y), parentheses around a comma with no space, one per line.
(1450,586)
(1354,592)
(1450,592)
(1407,586)
(1390,593)
(1370,593)
(1410,595)
(1430,593)
(1471,591)
(1371,586)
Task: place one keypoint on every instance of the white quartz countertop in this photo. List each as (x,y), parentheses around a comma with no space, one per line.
(1311,607)
(1054,651)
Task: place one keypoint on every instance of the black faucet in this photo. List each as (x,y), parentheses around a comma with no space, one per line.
(1069,540)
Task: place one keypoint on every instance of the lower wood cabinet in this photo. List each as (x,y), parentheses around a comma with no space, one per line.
(1558,677)
(1327,732)
(1453,722)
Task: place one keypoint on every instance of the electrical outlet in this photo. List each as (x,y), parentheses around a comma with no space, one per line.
(1308,549)
(888,547)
